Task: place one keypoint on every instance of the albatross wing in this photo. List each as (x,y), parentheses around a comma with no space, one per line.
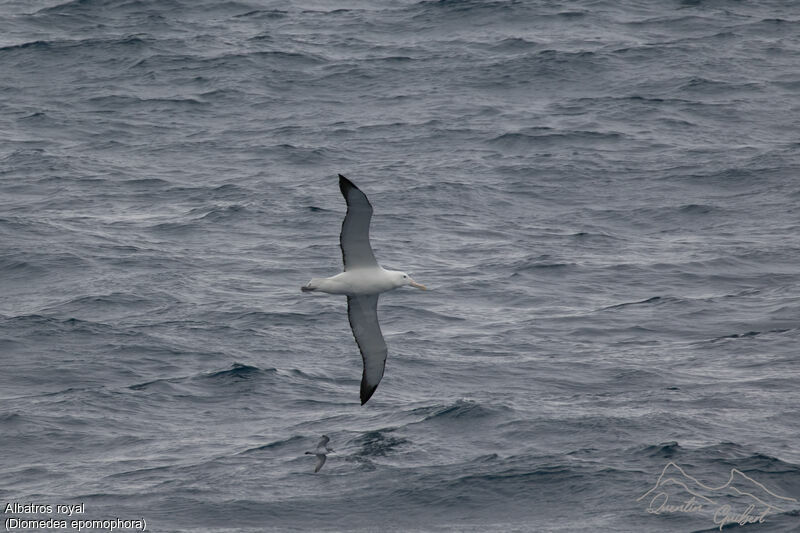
(363,313)
(354,239)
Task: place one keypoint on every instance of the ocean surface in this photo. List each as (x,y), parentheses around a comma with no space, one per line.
(601,195)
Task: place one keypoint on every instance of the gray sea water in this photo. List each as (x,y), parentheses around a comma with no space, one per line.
(602,195)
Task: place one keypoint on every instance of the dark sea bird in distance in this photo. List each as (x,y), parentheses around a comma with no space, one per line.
(362,281)
(321,452)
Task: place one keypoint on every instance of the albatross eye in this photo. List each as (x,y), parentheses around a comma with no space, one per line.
(404,276)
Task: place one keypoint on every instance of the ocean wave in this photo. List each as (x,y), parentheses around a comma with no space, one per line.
(378,443)
(589,207)
(237,372)
(543,137)
(461,410)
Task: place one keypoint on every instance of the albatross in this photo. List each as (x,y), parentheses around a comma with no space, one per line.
(362,281)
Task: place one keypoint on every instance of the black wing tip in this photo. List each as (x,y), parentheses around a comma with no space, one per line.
(366,392)
(345,185)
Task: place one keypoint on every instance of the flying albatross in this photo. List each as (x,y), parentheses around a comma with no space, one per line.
(362,281)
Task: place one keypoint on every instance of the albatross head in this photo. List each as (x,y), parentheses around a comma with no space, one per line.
(401,278)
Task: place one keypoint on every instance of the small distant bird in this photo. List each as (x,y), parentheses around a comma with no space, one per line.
(321,452)
(363,280)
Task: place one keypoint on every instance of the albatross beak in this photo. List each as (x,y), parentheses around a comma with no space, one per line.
(418,285)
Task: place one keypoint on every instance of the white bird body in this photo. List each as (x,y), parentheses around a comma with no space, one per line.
(362,281)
